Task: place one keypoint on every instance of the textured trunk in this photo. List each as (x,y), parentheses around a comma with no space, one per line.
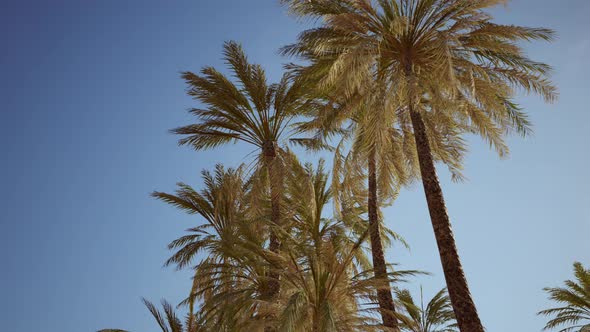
(191,317)
(463,306)
(270,155)
(316,323)
(275,217)
(384,296)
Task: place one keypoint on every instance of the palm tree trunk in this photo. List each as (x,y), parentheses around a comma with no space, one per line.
(275,217)
(270,154)
(380,269)
(463,305)
(316,321)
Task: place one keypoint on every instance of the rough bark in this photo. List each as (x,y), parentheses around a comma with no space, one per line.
(275,217)
(316,322)
(463,305)
(384,296)
(270,155)
(273,286)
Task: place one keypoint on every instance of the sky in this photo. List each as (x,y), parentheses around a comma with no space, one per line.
(89,90)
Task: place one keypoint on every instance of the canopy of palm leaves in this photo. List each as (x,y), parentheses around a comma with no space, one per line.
(233,240)
(461,67)
(438,315)
(243,108)
(573,312)
(250,110)
(398,82)
(330,283)
(448,70)
(324,274)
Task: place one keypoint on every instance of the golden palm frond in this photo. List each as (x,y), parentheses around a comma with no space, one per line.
(461,62)
(249,110)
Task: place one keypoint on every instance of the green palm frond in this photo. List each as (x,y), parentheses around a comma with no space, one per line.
(168,321)
(437,316)
(242,108)
(574,300)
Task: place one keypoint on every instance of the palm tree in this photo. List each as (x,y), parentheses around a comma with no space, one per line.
(169,324)
(323,272)
(168,321)
(438,315)
(250,111)
(326,271)
(373,146)
(574,299)
(231,236)
(441,60)
(376,145)
(222,206)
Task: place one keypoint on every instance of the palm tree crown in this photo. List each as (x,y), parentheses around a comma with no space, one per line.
(167,321)
(574,299)
(232,239)
(438,315)
(250,110)
(446,56)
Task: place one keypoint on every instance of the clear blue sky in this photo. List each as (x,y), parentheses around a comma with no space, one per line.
(88,90)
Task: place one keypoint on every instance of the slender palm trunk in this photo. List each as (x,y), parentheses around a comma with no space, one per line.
(191,317)
(270,155)
(463,305)
(316,322)
(275,217)
(380,269)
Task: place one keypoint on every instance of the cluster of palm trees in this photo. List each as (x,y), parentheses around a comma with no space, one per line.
(390,87)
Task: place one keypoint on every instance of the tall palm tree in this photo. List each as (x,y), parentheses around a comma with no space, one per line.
(249,110)
(376,145)
(573,314)
(438,315)
(373,146)
(440,59)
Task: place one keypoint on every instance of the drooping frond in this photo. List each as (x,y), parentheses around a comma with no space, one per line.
(462,68)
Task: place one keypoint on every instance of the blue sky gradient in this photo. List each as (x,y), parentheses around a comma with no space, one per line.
(88,90)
